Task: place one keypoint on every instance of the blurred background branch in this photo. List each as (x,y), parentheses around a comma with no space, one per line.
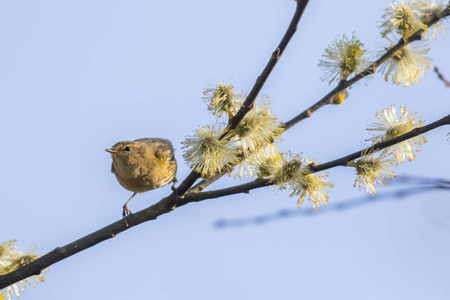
(441,76)
(416,185)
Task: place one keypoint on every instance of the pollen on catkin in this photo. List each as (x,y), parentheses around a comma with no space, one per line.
(13,258)
(264,163)
(372,171)
(342,58)
(295,175)
(222,100)
(267,161)
(427,10)
(258,128)
(403,18)
(392,125)
(291,171)
(207,153)
(407,66)
(313,187)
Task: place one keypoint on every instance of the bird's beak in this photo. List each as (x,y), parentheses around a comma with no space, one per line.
(111,150)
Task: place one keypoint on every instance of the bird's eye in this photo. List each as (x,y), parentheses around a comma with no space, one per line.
(128,149)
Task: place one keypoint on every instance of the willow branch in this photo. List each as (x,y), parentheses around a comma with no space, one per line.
(328,98)
(258,183)
(110,231)
(380,146)
(248,103)
(342,85)
(441,77)
(165,205)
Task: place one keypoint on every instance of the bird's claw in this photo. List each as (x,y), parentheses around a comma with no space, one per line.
(126,211)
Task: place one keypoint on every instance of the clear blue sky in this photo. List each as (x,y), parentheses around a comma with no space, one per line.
(78,76)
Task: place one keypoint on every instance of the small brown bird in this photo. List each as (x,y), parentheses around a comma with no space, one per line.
(143,165)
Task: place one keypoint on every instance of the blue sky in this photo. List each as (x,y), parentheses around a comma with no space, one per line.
(76,77)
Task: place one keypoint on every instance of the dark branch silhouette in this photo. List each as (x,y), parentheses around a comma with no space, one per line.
(194,194)
(258,183)
(248,103)
(441,77)
(165,205)
(329,98)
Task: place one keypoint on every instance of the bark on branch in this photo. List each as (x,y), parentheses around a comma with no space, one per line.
(167,204)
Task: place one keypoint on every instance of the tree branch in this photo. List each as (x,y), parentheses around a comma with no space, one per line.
(258,183)
(328,98)
(441,77)
(342,85)
(248,103)
(166,204)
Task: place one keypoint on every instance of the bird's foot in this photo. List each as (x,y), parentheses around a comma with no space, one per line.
(126,211)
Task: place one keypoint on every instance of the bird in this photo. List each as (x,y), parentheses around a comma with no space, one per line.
(143,165)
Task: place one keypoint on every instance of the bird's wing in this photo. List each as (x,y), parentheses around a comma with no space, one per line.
(165,148)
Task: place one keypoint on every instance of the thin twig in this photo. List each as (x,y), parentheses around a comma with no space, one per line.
(342,85)
(328,98)
(166,205)
(258,183)
(248,103)
(441,77)
(276,55)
